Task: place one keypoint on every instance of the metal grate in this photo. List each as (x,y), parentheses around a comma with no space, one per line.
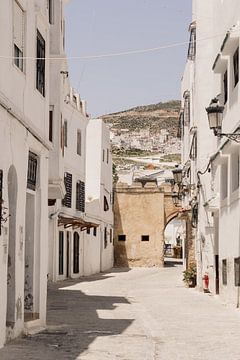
(32,171)
(40,65)
(67,201)
(80,196)
(224,271)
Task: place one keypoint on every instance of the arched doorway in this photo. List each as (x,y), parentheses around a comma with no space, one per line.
(174,241)
(76,248)
(11,276)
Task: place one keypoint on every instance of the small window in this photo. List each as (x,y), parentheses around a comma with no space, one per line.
(32,171)
(94,231)
(50,126)
(236,66)
(103,155)
(186,109)
(111,235)
(88,231)
(192,44)
(18,35)
(107,156)
(237,271)
(121,237)
(79,142)
(225,86)
(224,181)
(235,171)
(224,272)
(145,237)
(105,204)
(40,64)
(50,12)
(105,238)
(65,133)
(67,201)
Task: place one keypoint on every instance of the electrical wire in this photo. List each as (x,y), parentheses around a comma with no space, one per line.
(117,54)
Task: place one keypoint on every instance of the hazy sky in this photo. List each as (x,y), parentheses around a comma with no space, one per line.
(95,27)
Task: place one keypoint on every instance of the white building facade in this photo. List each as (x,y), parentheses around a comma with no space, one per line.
(211,163)
(24,105)
(99,197)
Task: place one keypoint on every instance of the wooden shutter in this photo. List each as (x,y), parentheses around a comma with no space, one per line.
(67,201)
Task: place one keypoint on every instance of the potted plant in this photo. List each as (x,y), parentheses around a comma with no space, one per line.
(190,276)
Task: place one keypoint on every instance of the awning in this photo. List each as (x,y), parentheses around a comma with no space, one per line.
(75,223)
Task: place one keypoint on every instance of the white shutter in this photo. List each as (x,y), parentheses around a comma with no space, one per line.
(18,26)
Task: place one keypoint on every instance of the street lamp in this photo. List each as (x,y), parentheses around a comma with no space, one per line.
(177,175)
(215,119)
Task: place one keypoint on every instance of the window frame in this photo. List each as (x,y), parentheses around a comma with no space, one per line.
(40,64)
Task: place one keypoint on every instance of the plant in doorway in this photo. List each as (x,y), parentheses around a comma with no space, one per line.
(190,276)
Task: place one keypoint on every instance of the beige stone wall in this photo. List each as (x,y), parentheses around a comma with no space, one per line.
(139,211)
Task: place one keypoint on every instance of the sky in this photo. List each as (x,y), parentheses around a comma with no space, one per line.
(111,84)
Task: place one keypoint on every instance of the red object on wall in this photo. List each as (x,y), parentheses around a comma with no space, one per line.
(206,281)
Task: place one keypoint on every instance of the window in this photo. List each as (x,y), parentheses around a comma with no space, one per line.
(111,235)
(145,237)
(235,171)
(107,156)
(94,231)
(180,133)
(224,272)
(192,44)
(79,142)
(225,86)
(50,125)
(236,66)
(60,252)
(105,238)
(32,171)
(105,204)
(103,155)
(121,237)
(224,180)
(237,271)
(18,34)
(50,12)
(80,196)
(65,133)
(193,149)
(40,65)
(88,230)
(67,201)
(187,108)
(76,253)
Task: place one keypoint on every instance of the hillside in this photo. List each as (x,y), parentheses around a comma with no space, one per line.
(155,117)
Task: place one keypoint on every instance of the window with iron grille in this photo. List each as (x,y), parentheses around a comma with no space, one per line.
(32,171)
(187,109)
(237,271)
(105,204)
(40,65)
(224,272)
(1,198)
(192,44)
(80,196)
(67,201)
(236,66)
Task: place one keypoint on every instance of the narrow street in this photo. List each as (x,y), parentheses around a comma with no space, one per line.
(138,314)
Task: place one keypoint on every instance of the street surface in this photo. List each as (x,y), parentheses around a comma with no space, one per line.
(138,314)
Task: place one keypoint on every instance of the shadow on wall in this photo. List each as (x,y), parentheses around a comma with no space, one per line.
(73,324)
(120,251)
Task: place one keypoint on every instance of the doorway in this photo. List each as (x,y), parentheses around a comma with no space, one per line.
(76,247)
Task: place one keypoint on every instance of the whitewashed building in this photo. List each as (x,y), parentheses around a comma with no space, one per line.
(211,163)
(24,144)
(99,198)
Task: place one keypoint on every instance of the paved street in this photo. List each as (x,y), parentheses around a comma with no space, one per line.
(139,314)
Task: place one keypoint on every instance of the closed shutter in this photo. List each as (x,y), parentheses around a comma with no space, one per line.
(80,196)
(18,26)
(67,201)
